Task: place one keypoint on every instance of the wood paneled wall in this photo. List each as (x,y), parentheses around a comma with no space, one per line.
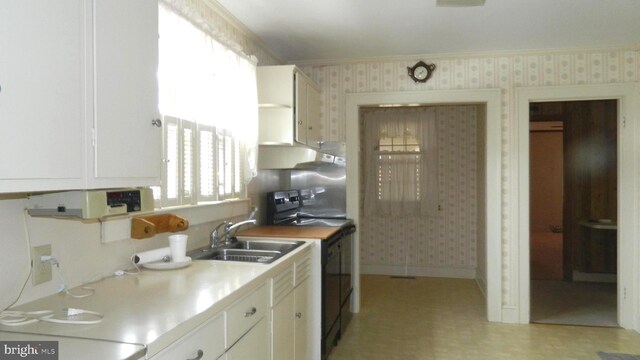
(590,185)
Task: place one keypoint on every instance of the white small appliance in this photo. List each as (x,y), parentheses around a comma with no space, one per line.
(91,204)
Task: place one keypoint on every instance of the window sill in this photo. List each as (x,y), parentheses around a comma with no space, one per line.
(206,211)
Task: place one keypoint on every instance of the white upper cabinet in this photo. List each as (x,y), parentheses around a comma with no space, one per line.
(42,92)
(127,144)
(289,107)
(78,93)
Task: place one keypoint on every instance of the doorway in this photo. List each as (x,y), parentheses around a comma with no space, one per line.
(573,212)
(628,208)
(489,274)
(422,211)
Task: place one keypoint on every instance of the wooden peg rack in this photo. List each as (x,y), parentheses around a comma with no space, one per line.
(147,226)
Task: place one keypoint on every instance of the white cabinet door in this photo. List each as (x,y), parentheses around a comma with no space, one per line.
(307,123)
(303,312)
(42,87)
(282,329)
(289,107)
(127,144)
(254,345)
(205,342)
(301,108)
(313,117)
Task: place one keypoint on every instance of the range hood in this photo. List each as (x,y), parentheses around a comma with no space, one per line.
(299,157)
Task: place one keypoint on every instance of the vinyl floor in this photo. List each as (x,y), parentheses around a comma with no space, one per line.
(435,318)
(574,303)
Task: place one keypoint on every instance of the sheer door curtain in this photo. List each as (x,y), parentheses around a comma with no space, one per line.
(400,165)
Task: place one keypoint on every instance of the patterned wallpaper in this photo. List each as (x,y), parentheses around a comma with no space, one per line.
(504,71)
(448,240)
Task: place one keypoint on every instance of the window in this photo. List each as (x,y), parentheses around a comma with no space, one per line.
(399,166)
(400,161)
(208,98)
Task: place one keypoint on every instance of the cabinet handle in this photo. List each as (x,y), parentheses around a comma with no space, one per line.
(310,127)
(251,313)
(299,315)
(199,356)
(156,122)
(299,122)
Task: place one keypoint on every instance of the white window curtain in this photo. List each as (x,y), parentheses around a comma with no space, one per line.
(203,81)
(401,170)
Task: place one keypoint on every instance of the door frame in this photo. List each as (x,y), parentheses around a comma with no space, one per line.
(628,180)
(491,98)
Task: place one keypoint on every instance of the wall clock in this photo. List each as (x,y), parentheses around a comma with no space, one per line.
(421,71)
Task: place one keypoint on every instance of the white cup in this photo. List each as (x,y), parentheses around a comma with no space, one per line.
(178,245)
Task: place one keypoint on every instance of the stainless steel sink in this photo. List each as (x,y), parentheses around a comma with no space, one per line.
(256,251)
(272,245)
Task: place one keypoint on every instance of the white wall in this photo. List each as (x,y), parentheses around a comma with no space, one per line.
(78,247)
(504,71)
(442,245)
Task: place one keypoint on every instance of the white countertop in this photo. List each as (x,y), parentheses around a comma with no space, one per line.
(154,308)
(82,348)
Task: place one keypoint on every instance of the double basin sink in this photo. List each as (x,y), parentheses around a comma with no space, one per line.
(255,251)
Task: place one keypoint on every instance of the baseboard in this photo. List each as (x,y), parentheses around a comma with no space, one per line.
(510,315)
(594,277)
(427,271)
(482,285)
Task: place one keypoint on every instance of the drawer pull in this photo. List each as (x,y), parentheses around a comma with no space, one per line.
(250,313)
(199,356)
(299,315)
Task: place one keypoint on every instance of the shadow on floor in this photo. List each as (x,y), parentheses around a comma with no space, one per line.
(574,303)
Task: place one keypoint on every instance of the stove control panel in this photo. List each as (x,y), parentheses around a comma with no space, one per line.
(282,205)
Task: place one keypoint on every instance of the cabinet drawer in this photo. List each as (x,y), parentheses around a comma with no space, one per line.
(302,268)
(208,338)
(245,313)
(281,285)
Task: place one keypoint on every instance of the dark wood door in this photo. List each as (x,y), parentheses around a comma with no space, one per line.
(590,186)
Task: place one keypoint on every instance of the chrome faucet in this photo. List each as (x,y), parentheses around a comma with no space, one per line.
(214,238)
(231,226)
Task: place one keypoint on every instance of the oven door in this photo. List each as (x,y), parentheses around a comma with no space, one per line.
(346,266)
(331,295)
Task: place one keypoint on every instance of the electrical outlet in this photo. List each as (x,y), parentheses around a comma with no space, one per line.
(41,272)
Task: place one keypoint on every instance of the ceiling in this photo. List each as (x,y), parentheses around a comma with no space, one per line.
(317,30)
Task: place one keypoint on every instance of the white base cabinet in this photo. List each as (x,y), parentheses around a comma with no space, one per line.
(302,322)
(291,312)
(238,333)
(279,320)
(254,345)
(205,342)
(78,94)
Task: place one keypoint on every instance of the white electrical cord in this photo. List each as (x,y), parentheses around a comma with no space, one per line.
(26,280)
(62,287)
(138,270)
(73,316)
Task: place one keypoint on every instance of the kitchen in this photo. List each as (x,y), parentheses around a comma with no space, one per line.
(335,80)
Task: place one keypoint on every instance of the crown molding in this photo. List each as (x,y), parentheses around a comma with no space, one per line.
(233,21)
(460,55)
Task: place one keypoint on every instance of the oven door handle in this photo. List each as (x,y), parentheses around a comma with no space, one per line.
(350,229)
